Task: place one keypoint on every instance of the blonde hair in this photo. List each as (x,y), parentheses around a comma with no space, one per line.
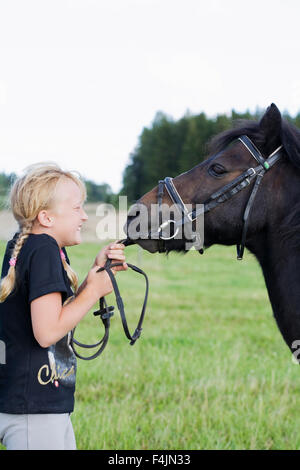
(29,194)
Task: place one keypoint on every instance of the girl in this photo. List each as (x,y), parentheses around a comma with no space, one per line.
(40,303)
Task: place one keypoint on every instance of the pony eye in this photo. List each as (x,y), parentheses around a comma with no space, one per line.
(217,170)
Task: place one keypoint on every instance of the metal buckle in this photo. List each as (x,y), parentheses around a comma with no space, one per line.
(163,225)
(247,179)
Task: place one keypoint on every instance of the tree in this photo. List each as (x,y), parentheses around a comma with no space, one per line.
(168,147)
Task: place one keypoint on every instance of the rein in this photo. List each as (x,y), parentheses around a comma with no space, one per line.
(105,312)
(220,196)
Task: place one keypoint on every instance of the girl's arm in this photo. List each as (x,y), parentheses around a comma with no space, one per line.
(51,321)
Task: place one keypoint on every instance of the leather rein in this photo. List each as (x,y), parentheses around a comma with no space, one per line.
(105,312)
(222,195)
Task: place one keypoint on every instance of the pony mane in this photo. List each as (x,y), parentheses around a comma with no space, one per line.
(289,137)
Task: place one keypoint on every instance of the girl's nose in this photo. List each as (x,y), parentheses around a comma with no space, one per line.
(84,215)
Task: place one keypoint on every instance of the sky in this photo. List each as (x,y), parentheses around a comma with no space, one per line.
(80,79)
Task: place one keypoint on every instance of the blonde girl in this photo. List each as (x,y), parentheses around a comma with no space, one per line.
(40,303)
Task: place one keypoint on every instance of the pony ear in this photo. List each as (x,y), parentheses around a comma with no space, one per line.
(270,124)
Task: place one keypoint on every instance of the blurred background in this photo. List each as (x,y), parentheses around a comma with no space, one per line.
(125,92)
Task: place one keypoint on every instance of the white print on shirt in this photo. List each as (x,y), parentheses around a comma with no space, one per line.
(62,365)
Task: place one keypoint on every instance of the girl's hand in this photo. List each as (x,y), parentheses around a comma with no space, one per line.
(99,283)
(115,252)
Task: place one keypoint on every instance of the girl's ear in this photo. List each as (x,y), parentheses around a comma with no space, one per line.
(44,219)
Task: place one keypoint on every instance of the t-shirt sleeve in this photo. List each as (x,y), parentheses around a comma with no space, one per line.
(45,272)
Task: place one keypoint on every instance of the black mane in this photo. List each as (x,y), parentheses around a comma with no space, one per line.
(289,137)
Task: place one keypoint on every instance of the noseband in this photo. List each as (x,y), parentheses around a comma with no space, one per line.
(222,195)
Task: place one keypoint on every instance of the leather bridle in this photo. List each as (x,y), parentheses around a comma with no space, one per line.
(220,196)
(105,312)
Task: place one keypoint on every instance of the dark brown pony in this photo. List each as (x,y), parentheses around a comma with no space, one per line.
(273,234)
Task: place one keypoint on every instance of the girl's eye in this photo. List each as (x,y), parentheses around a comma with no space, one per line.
(217,170)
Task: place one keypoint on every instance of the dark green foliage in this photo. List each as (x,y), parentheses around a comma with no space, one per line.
(5,183)
(99,192)
(167,148)
(95,192)
(171,147)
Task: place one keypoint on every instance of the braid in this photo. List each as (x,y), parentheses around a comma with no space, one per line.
(72,276)
(31,193)
(21,239)
(8,282)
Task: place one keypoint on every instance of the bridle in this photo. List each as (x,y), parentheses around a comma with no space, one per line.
(105,312)
(220,196)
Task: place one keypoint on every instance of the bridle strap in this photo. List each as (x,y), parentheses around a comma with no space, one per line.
(225,193)
(265,164)
(241,246)
(174,194)
(137,333)
(253,150)
(160,195)
(105,311)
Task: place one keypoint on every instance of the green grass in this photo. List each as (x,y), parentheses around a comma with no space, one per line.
(210,371)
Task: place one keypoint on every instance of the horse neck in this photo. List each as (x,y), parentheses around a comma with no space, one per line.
(280,263)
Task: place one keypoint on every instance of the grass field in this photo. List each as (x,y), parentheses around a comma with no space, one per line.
(211,370)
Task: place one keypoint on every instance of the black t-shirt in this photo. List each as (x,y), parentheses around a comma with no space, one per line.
(34,379)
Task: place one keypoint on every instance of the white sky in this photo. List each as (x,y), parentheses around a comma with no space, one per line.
(79,79)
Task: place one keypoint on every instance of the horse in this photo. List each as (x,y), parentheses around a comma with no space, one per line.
(249,190)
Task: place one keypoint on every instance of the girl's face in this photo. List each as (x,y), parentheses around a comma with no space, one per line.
(65,220)
(69,213)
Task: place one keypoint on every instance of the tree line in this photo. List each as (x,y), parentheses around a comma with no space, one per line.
(169,147)
(95,192)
